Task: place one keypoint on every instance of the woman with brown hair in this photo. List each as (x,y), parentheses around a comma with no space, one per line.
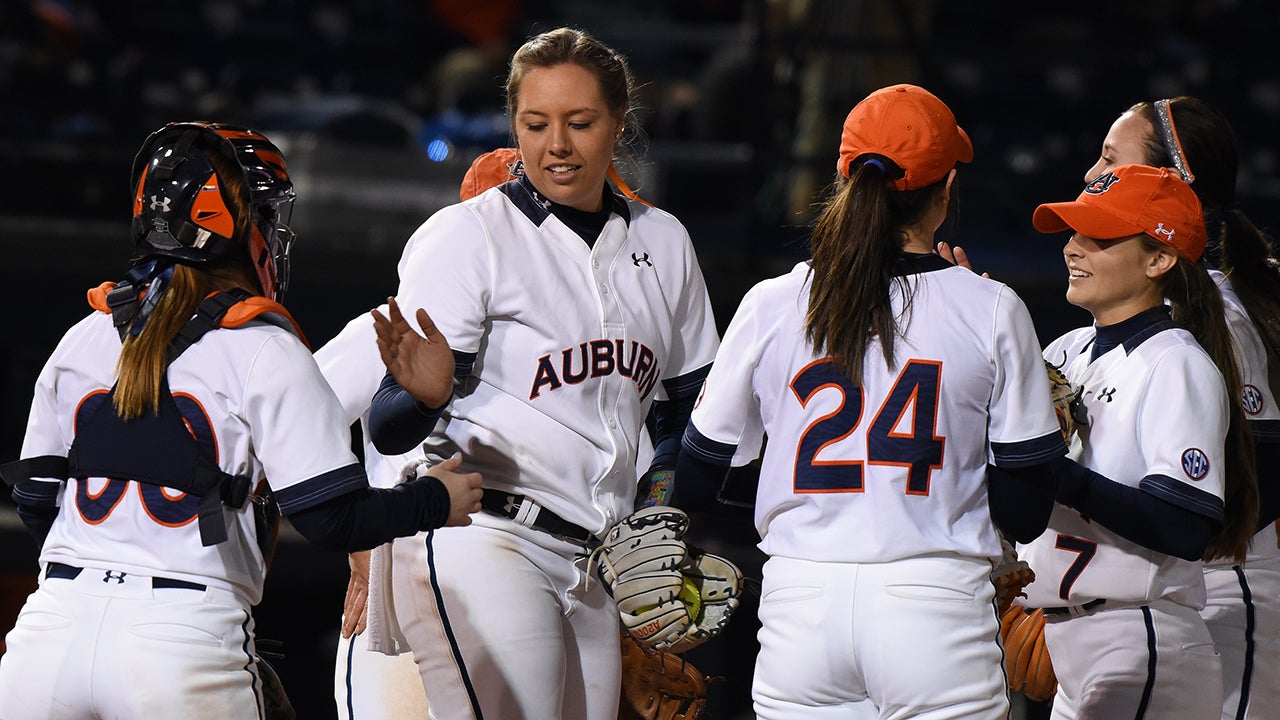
(570,310)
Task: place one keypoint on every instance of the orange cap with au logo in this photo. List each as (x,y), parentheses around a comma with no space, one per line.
(910,126)
(1132,200)
(491,170)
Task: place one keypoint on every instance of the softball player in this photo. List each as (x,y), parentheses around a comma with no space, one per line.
(1140,498)
(1243,598)
(368,684)
(570,311)
(905,403)
(168,431)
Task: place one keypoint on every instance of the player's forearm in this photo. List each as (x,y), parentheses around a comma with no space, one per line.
(369,517)
(397,421)
(1134,514)
(39,521)
(697,483)
(671,416)
(1021,499)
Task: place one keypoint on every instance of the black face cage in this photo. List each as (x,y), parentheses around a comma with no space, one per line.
(279,238)
(266,182)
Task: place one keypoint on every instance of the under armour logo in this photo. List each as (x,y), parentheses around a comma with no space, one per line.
(637,259)
(1106,394)
(1160,230)
(109,575)
(510,505)
(163,204)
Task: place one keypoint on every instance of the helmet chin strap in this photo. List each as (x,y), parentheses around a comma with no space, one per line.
(145,281)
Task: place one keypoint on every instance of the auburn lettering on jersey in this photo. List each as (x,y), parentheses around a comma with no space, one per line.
(598,358)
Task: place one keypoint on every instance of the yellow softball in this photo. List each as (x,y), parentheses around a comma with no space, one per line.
(689,595)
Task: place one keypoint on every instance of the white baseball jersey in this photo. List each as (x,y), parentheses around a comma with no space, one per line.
(1242,608)
(894,467)
(252,395)
(351,364)
(367,683)
(1259,403)
(1156,406)
(570,342)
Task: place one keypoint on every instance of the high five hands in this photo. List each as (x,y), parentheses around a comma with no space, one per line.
(421,363)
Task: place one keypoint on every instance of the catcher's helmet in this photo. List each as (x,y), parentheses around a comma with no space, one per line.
(184,209)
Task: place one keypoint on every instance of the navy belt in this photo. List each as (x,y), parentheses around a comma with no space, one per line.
(1073,610)
(513,507)
(63,571)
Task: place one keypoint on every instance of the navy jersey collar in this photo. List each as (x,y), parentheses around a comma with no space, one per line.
(1131,332)
(917,263)
(538,207)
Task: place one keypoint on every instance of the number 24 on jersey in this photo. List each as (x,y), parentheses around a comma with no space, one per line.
(902,432)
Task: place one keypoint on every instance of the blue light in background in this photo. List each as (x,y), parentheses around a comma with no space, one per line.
(439,149)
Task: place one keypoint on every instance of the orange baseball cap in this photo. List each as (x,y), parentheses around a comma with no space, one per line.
(1132,200)
(491,170)
(910,126)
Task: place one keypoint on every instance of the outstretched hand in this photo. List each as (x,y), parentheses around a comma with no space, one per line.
(957,256)
(421,364)
(464,489)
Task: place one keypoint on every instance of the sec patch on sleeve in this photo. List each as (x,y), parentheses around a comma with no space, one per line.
(1195,463)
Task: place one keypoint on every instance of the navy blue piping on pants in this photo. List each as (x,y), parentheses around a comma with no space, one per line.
(448,629)
(351,649)
(251,667)
(1249,625)
(1151,664)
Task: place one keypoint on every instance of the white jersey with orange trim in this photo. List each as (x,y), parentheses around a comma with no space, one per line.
(563,345)
(1156,407)
(253,396)
(896,466)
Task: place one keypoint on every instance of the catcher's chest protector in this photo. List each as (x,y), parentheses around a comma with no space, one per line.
(159,449)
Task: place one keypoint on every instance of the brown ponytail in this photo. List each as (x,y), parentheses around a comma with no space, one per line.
(857,237)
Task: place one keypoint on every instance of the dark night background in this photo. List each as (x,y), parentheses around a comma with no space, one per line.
(380,109)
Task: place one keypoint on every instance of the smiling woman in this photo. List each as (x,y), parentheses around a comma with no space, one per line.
(520,281)
(567,135)
(1156,478)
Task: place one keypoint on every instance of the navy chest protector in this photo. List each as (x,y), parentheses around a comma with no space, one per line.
(157,448)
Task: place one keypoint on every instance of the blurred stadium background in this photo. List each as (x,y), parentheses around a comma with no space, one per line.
(381,105)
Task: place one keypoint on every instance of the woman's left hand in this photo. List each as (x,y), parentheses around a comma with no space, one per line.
(422,364)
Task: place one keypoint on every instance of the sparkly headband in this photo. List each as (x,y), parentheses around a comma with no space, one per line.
(1171,143)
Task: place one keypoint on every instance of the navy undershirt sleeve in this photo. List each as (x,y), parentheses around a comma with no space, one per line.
(672,415)
(397,421)
(1021,499)
(698,483)
(1134,514)
(366,518)
(39,521)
